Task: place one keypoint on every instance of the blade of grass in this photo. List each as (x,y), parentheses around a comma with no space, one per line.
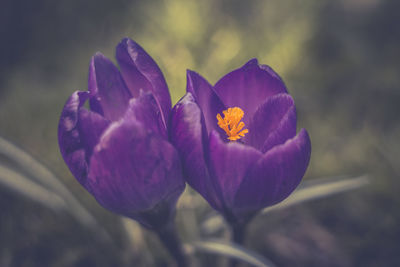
(320,188)
(47,179)
(22,185)
(307,191)
(40,173)
(137,240)
(230,250)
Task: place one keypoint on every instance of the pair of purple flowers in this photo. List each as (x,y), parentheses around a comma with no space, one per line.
(235,143)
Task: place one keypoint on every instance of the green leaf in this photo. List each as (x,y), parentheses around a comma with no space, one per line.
(37,180)
(22,185)
(35,169)
(231,250)
(320,188)
(307,191)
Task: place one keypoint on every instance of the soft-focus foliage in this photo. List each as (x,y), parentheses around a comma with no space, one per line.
(339,60)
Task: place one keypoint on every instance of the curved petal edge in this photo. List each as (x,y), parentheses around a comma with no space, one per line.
(132,171)
(249,86)
(141,72)
(187,133)
(69,139)
(275,175)
(229,163)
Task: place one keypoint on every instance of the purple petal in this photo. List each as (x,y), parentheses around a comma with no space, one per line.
(248,87)
(206,98)
(187,133)
(140,71)
(110,95)
(90,126)
(273,122)
(229,163)
(72,146)
(275,175)
(285,130)
(133,171)
(145,110)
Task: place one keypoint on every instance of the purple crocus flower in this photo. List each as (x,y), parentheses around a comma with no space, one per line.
(118,149)
(238,141)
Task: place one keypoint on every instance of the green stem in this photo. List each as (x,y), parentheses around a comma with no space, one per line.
(238,235)
(238,232)
(172,243)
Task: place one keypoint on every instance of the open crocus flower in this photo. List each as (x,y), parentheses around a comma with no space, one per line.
(238,141)
(118,149)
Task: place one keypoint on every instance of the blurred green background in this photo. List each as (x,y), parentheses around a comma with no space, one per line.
(339,59)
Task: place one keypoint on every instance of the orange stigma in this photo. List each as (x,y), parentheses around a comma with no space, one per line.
(231,123)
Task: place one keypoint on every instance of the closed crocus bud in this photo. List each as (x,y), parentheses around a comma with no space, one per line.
(118,149)
(238,141)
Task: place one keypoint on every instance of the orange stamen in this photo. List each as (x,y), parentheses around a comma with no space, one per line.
(232,124)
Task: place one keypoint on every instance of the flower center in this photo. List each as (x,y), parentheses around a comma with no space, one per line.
(231,123)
